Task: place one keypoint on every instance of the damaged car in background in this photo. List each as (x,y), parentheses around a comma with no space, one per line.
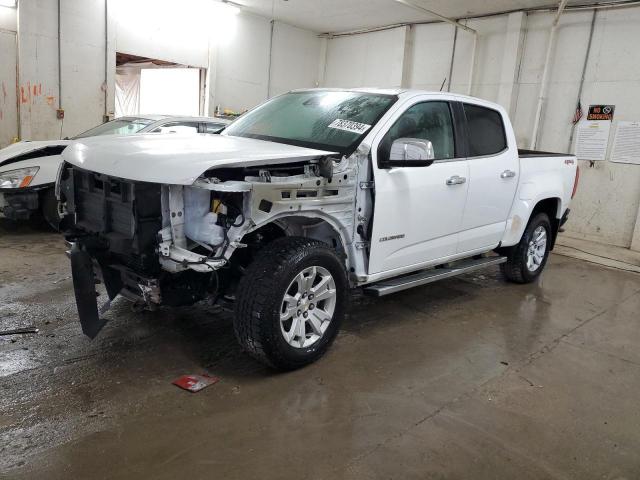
(308,195)
(28,168)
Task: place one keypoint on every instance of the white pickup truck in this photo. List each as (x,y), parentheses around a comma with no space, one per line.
(309,194)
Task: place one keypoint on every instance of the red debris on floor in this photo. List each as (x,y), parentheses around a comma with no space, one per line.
(195,383)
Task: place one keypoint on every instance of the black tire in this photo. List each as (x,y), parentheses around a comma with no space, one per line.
(49,208)
(260,294)
(516,269)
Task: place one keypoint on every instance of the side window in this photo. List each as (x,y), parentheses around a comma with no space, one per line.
(427,121)
(486,131)
(178,127)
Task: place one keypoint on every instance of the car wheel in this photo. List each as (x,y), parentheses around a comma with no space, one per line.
(290,302)
(526,260)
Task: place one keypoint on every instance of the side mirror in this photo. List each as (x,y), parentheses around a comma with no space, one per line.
(408,152)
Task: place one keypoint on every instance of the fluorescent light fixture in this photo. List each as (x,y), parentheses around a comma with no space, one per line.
(8,3)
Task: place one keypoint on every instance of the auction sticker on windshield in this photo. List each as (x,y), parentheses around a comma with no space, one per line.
(349,126)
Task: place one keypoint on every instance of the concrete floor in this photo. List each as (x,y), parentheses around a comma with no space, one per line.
(468,378)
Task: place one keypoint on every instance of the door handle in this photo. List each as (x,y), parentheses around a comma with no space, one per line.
(456,180)
(508,174)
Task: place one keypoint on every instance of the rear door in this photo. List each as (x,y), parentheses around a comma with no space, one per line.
(418,210)
(494,168)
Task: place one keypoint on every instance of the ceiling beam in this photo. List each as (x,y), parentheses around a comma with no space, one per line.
(437,15)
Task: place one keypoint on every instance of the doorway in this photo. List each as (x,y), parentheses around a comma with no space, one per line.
(151,86)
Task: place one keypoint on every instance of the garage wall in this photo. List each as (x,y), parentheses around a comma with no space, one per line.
(8,18)
(430,56)
(247,74)
(236,51)
(8,94)
(294,59)
(8,55)
(243,64)
(160,29)
(373,60)
(83,46)
(606,206)
(508,69)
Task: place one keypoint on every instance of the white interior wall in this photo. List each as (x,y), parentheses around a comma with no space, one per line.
(242,69)
(430,57)
(607,203)
(294,59)
(373,60)
(8,18)
(8,56)
(8,97)
(235,50)
(246,73)
(508,68)
(83,40)
(162,30)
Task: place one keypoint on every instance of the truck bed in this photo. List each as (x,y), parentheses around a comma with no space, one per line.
(522,153)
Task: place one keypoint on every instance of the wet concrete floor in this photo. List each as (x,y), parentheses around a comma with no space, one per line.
(468,378)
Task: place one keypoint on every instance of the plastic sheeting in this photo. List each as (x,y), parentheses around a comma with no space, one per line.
(128,89)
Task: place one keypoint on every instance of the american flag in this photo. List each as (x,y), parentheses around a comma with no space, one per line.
(578,115)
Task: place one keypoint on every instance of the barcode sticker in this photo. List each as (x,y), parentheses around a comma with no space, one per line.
(349,126)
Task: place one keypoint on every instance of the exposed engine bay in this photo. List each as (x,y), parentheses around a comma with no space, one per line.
(177,244)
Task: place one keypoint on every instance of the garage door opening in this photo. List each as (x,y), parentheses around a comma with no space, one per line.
(151,86)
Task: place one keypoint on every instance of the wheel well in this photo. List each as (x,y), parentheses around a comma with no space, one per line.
(290,226)
(550,206)
(299,226)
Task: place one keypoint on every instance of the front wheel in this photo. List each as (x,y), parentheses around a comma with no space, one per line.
(290,302)
(527,259)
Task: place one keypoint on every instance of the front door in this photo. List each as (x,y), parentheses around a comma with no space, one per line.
(418,210)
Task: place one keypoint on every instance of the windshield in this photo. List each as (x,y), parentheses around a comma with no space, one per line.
(120,126)
(326,120)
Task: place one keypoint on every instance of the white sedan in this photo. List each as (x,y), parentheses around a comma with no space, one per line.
(28,169)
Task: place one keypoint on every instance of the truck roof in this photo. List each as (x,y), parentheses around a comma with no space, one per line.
(400,92)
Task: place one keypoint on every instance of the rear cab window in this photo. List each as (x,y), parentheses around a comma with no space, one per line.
(486,132)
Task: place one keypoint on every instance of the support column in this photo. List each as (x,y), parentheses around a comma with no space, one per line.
(512,56)
(110,63)
(322,61)
(407,67)
(210,87)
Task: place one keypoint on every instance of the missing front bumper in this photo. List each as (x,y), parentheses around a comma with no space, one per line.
(88,271)
(84,287)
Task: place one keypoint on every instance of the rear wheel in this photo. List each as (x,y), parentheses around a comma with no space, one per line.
(290,302)
(526,260)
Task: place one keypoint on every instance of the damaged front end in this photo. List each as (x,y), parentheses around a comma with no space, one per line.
(158,244)
(121,234)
